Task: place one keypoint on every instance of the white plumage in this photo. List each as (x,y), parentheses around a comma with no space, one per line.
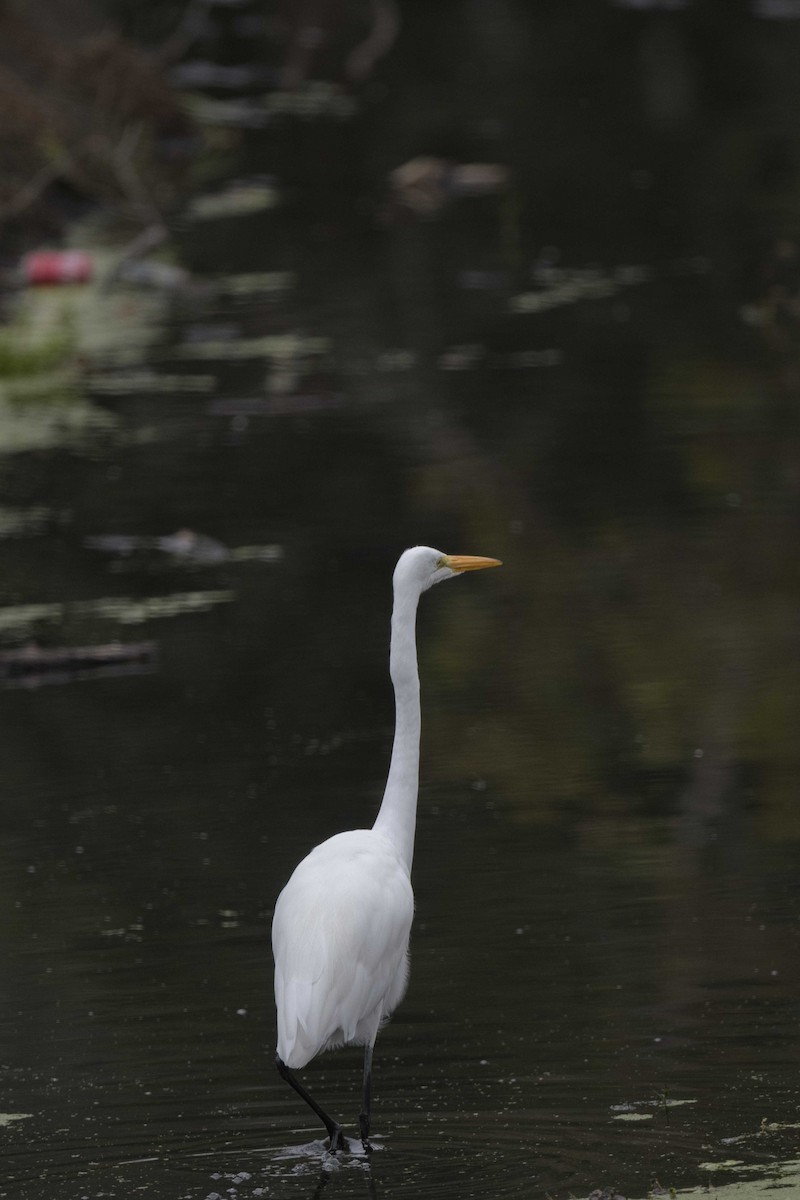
(342,923)
(340,939)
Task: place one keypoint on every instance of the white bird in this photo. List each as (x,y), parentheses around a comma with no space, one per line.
(342,923)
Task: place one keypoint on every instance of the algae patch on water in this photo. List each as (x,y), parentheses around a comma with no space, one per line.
(27,349)
(783,1177)
(632,1111)
(55,419)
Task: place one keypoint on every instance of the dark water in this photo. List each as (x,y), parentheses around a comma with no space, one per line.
(605,957)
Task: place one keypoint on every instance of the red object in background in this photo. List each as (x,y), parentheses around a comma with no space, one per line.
(57,266)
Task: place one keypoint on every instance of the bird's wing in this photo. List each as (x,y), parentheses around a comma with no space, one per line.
(340,937)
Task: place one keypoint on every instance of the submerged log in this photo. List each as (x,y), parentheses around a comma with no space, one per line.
(32,665)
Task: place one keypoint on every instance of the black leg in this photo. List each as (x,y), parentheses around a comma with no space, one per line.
(364,1115)
(334,1129)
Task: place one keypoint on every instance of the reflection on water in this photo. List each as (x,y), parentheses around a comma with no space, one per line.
(20,619)
(605,956)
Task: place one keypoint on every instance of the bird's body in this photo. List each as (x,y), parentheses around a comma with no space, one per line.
(342,923)
(340,938)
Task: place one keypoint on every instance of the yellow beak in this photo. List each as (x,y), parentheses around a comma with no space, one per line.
(468,562)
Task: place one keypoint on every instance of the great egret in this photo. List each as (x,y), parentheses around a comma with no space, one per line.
(342,923)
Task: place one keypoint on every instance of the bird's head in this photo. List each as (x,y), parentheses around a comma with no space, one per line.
(422,566)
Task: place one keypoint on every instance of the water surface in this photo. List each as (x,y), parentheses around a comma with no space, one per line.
(605,955)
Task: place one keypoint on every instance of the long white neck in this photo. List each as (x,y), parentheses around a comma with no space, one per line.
(397,817)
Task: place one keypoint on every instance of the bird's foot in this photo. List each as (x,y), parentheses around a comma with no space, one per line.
(363,1125)
(336,1140)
